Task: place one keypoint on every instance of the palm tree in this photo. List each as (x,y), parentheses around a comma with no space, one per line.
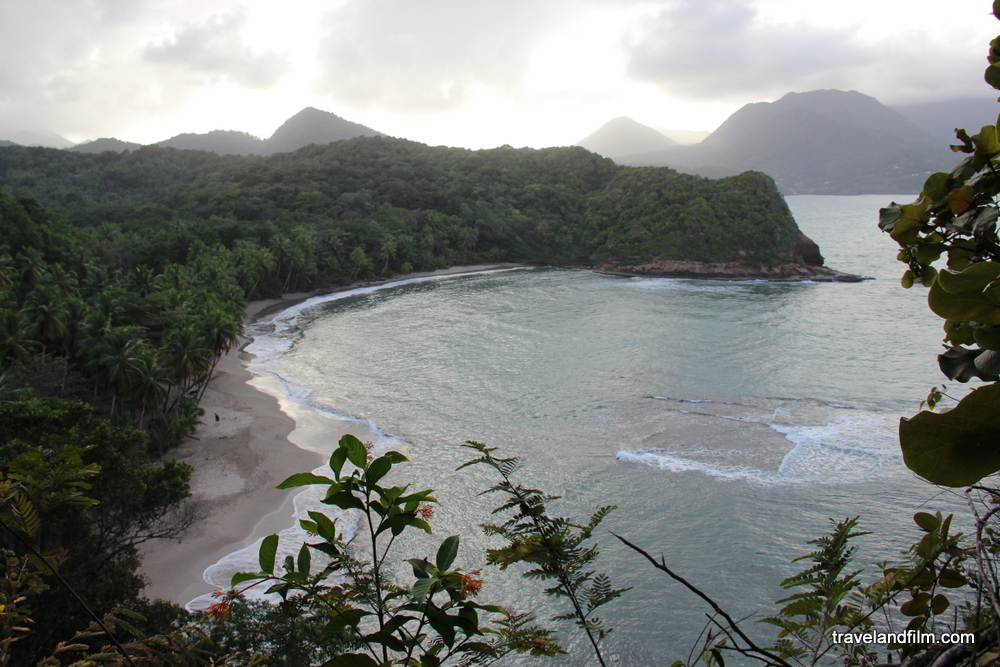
(388,251)
(46,315)
(117,360)
(13,338)
(221,331)
(148,383)
(185,357)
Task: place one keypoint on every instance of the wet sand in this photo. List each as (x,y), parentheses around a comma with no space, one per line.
(258,442)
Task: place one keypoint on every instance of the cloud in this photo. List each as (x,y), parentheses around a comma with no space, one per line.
(719,49)
(217,48)
(431,56)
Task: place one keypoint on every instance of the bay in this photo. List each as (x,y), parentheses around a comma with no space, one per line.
(728,421)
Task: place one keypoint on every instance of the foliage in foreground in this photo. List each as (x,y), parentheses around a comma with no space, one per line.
(955,217)
(436,620)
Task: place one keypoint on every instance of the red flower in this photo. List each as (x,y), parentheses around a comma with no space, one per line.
(425,510)
(471,585)
(221,609)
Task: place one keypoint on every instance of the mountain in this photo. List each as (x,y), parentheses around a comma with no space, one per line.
(312,126)
(684,137)
(4,142)
(38,138)
(819,142)
(941,118)
(220,142)
(309,126)
(624,136)
(105,144)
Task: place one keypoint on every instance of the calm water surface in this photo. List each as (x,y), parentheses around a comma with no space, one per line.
(729,422)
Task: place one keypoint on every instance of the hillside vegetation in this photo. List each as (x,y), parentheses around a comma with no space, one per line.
(373,206)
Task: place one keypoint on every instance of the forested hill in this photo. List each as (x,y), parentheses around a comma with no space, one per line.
(373,206)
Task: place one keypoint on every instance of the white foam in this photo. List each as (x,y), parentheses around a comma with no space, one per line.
(290,540)
(849,448)
(659,458)
(271,335)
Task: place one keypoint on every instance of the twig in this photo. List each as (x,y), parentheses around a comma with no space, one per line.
(662,565)
(72,592)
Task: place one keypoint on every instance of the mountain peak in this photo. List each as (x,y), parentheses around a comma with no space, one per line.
(623,136)
(313,126)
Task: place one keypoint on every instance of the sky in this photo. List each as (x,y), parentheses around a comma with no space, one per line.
(473,73)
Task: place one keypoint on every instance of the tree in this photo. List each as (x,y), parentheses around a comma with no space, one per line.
(955,217)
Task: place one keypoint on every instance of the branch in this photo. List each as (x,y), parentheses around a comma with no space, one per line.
(72,592)
(662,565)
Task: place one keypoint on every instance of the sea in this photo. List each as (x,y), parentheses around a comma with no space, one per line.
(730,423)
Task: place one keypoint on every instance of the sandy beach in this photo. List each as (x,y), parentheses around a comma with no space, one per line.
(259,440)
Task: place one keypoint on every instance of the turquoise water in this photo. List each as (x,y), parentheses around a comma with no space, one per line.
(727,421)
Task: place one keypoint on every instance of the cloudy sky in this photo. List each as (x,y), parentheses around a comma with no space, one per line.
(475,73)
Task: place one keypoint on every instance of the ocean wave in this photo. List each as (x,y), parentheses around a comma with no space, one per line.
(272,335)
(847,448)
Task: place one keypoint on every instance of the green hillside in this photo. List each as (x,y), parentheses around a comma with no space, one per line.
(374,206)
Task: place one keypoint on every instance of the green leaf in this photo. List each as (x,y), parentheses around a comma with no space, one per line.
(904,222)
(305,559)
(421,588)
(351,660)
(958,332)
(304,479)
(337,460)
(952,579)
(240,577)
(958,447)
(342,619)
(356,452)
(987,144)
(399,522)
(447,552)
(421,568)
(937,186)
(325,526)
(929,252)
(927,522)
(377,469)
(996,8)
(973,279)
(965,306)
(939,604)
(987,338)
(344,501)
(268,548)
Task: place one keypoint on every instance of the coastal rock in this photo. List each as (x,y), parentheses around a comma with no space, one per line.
(739,270)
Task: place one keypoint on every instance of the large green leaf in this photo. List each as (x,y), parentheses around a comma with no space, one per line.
(447,552)
(904,222)
(954,298)
(958,447)
(303,479)
(356,452)
(973,279)
(987,143)
(351,660)
(268,548)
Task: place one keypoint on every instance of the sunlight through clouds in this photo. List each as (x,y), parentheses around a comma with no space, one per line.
(465,73)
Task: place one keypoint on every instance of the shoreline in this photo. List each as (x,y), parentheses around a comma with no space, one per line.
(260,440)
